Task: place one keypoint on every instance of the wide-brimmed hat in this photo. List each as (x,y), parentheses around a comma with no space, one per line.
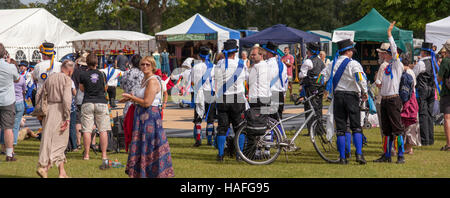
(82,59)
(230,44)
(384,47)
(271,46)
(447,45)
(23,63)
(427,46)
(345,45)
(204,50)
(313,47)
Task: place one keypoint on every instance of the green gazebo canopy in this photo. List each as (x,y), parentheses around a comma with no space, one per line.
(373,27)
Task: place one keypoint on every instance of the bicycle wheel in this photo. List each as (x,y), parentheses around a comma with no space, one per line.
(326,148)
(258,150)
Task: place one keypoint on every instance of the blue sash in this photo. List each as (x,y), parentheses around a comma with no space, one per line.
(233,79)
(339,72)
(110,74)
(280,74)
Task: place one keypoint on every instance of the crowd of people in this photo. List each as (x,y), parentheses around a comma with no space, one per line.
(70,99)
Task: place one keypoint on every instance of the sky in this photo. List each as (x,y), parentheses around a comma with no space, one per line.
(31,1)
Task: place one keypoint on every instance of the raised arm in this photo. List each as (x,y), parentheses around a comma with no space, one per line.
(391,41)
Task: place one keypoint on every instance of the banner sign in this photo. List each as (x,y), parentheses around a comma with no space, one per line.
(342,35)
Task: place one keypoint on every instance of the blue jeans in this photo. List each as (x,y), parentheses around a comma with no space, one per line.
(20,108)
(72,130)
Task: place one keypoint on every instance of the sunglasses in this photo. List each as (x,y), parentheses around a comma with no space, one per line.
(146,64)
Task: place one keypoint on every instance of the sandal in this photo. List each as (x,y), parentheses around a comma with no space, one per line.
(445,148)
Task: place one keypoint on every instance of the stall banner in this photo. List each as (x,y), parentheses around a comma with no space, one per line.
(342,35)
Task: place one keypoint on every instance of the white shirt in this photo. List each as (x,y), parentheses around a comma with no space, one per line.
(273,68)
(390,86)
(259,81)
(420,66)
(379,78)
(306,66)
(140,93)
(186,74)
(112,82)
(347,81)
(196,77)
(221,76)
(42,68)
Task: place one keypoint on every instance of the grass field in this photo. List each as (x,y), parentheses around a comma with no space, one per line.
(190,162)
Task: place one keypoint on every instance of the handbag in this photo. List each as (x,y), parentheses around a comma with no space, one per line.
(41,106)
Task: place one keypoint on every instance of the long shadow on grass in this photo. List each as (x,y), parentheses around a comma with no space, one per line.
(12,176)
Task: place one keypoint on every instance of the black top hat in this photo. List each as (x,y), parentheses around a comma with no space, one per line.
(230,44)
(23,63)
(313,47)
(204,50)
(426,45)
(345,44)
(272,46)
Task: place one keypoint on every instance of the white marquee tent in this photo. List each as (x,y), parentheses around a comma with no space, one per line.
(22,31)
(438,32)
(108,40)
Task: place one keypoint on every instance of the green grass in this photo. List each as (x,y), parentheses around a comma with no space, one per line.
(190,162)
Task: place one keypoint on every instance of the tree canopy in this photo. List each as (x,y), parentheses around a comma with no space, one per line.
(327,15)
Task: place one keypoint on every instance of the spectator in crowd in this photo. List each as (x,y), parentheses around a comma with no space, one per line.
(149,154)
(410,107)
(444,75)
(20,88)
(131,80)
(73,145)
(323,57)
(8,76)
(442,54)
(81,66)
(288,60)
(56,92)
(94,108)
(48,66)
(121,61)
(244,57)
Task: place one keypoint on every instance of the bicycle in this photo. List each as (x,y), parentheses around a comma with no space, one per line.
(265,149)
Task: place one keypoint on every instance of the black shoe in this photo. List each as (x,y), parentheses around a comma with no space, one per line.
(400,160)
(197,143)
(348,156)
(238,158)
(343,161)
(219,158)
(383,159)
(360,159)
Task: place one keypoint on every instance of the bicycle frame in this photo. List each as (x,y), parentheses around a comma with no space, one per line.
(280,122)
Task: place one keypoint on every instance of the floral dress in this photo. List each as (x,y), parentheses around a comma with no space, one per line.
(130,83)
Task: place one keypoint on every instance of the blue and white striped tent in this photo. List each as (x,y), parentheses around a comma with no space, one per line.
(198,25)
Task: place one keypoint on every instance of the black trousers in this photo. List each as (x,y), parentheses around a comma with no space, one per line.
(426,103)
(316,102)
(111,93)
(230,109)
(346,108)
(211,114)
(278,98)
(390,116)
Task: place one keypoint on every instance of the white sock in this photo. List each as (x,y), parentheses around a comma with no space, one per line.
(9,152)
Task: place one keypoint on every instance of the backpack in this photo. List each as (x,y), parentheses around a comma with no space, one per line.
(406,87)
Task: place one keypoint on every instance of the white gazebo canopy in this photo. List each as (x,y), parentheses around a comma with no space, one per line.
(22,31)
(108,40)
(438,32)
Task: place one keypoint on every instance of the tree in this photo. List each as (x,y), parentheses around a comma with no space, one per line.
(10,4)
(409,14)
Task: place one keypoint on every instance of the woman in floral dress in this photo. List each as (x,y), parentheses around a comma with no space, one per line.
(149,154)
